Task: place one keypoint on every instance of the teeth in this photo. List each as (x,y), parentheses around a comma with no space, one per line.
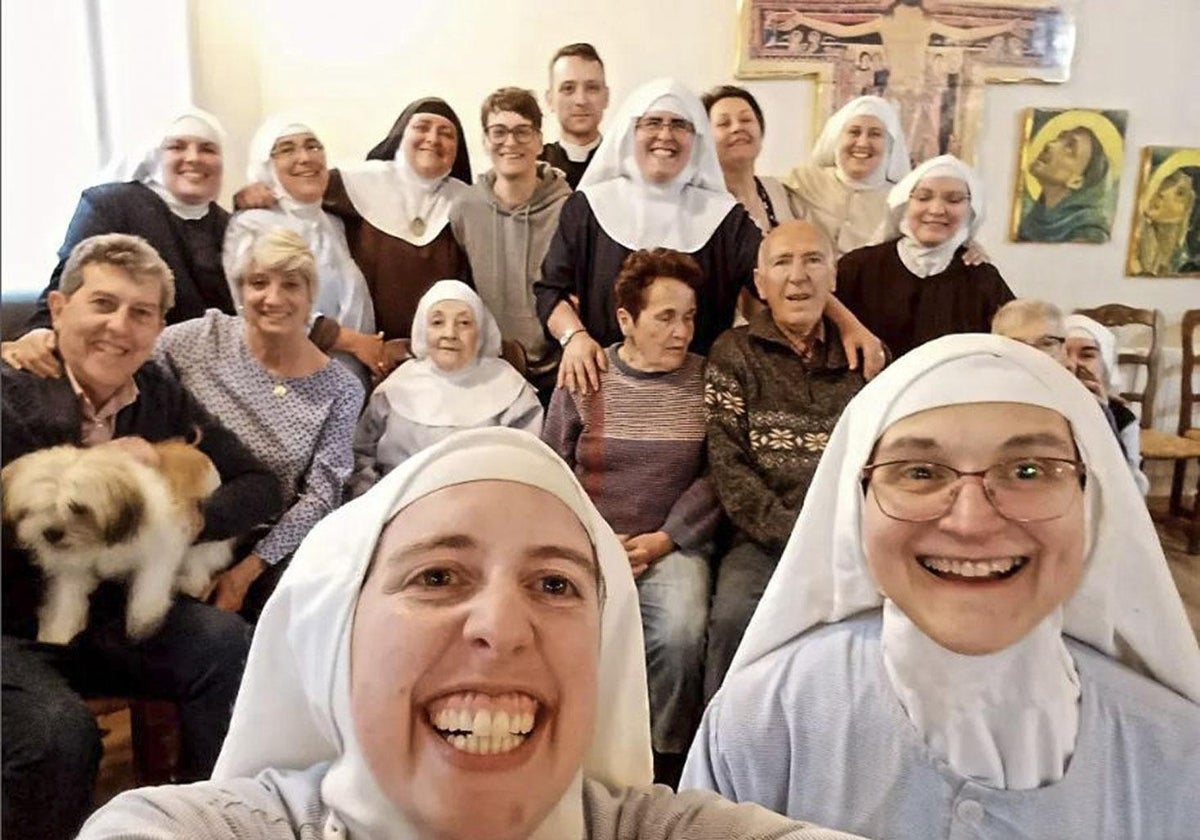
(972,568)
(485,744)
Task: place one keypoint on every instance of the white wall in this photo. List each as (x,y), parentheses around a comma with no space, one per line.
(354,64)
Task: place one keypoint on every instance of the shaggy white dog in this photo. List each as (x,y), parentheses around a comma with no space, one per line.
(88,515)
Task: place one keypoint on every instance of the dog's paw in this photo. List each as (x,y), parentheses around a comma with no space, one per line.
(59,632)
(142,623)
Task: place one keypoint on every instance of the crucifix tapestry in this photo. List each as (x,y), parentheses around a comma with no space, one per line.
(929,58)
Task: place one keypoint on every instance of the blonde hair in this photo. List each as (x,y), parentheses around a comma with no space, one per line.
(131,253)
(280,250)
(1017,313)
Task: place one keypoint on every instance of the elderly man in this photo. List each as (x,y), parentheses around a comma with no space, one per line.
(106,314)
(578,95)
(1037,323)
(774,389)
(1072,170)
(505,223)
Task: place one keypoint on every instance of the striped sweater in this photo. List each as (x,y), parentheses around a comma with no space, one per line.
(637,446)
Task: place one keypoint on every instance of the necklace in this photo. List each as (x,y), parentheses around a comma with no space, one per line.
(418,226)
(280,389)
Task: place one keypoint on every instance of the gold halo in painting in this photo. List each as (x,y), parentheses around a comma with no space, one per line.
(1110,139)
(1175,161)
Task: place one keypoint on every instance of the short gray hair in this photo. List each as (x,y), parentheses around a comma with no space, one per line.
(1024,311)
(131,253)
(279,249)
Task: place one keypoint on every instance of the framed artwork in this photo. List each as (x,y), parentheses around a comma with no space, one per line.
(1165,238)
(1068,171)
(930,58)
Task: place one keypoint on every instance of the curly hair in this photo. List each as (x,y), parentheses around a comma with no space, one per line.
(642,268)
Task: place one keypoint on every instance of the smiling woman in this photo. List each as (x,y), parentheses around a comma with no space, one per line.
(454,677)
(975,577)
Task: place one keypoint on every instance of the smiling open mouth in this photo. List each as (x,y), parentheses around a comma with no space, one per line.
(1000,568)
(481,724)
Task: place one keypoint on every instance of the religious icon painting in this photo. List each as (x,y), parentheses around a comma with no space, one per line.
(932,59)
(1067,175)
(1165,239)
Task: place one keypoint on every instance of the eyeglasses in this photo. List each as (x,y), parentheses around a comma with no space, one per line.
(521,134)
(653,125)
(1021,489)
(289,150)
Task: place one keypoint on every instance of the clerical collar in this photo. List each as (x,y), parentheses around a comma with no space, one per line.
(576,153)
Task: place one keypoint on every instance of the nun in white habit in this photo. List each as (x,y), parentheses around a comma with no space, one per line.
(456,380)
(992,648)
(655,182)
(1092,355)
(916,285)
(166,193)
(449,676)
(288,157)
(859,155)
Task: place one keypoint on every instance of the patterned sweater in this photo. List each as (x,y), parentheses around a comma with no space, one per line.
(637,446)
(770,413)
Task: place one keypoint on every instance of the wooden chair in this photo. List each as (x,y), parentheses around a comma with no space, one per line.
(1184,446)
(1119,315)
(154,731)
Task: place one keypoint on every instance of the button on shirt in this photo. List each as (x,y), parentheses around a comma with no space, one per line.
(98,425)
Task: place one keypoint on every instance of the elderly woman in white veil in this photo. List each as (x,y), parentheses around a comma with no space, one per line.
(450,676)
(166,193)
(455,381)
(287,156)
(655,182)
(859,155)
(973,630)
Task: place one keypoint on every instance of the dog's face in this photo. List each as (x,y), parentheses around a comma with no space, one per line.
(64,500)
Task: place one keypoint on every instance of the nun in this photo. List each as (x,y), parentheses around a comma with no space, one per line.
(859,155)
(287,156)
(449,677)
(655,182)
(456,380)
(167,195)
(916,285)
(1090,352)
(973,630)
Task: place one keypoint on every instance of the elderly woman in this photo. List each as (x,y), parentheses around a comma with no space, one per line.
(973,631)
(287,156)
(169,200)
(915,285)
(738,126)
(456,380)
(396,207)
(1037,323)
(1091,354)
(450,677)
(859,155)
(267,382)
(637,446)
(655,182)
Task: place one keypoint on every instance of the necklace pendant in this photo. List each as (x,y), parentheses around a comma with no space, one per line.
(279,390)
(418,226)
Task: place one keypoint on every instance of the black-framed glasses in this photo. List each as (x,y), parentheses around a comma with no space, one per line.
(677,126)
(522,134)
(1020,489)
(288,149)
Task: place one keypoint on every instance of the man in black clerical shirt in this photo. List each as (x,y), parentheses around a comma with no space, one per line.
(578,95)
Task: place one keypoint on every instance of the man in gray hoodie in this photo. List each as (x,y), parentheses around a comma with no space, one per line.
(505,224)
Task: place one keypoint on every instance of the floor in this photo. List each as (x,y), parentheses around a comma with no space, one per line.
(116,769)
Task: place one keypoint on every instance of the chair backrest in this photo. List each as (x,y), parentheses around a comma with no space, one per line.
(1187,391)
(1119,315)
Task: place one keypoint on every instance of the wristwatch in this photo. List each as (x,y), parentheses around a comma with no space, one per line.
(566,337)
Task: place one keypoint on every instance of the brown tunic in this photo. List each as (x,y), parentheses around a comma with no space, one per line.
(397,272)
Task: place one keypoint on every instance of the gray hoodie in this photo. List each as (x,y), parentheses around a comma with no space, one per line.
(505,249)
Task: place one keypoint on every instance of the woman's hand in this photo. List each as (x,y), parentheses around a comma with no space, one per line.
(975,255)
(34,352)
(874,357)
(368,348)
(582,362)
(644,550)
(231,586)
(254,196)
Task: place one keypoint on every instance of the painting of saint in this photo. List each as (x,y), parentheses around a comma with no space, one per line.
(1165,240)
(1068,174)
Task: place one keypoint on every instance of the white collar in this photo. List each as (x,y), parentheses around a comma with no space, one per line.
(396,200)
(575,152)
